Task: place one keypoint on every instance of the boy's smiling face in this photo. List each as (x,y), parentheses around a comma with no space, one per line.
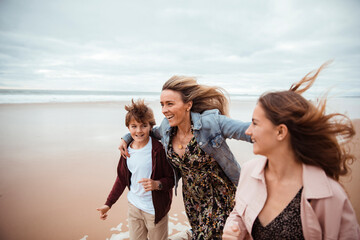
(139,132)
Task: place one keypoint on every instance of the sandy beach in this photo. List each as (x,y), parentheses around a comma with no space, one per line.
(58,163)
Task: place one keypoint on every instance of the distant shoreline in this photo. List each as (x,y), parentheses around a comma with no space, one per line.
(26,96)
(18,96)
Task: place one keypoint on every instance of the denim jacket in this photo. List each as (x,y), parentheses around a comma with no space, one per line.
(210,130)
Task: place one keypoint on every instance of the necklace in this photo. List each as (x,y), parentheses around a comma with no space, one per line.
(181,145)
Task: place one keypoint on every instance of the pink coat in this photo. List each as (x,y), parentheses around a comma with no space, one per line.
(329,214)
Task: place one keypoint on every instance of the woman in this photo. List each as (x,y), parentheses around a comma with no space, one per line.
(193,134)
(294,193)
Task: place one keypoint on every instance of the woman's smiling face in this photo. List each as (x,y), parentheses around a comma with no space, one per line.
(263,132)
(173,107)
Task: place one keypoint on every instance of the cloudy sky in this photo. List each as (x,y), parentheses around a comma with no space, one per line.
(243,46)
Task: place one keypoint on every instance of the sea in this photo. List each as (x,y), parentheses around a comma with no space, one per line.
(349,105)
(13,96)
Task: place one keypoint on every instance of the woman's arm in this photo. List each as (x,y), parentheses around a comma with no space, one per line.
(234,227)
(349,227)
(232,128)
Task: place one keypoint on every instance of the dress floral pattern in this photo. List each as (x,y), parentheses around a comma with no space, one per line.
(207,192)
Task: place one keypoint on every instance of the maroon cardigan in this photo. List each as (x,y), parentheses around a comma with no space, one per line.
(161,170)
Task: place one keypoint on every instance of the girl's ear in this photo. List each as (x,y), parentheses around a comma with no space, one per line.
(282,132)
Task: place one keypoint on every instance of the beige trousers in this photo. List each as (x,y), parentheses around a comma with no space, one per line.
(142,225)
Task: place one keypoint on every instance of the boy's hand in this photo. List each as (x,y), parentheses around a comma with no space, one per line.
(231,233)
(149,184)
(123,149)
(103,211)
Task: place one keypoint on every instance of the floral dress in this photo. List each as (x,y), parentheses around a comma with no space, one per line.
(208,193)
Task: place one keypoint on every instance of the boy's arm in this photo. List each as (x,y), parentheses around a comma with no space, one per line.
(167,181)
(163,168)
(120,183)
(103,211)
(116,192)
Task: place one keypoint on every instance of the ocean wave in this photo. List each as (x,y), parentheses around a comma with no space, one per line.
(177,230)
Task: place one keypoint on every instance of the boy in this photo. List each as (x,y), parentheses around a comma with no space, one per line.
(148,176)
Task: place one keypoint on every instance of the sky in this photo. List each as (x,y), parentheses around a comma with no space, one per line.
(246,47)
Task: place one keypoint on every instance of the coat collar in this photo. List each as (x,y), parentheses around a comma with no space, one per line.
(258,171)
(316,183)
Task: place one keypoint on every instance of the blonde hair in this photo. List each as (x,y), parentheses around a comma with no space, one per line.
(140,112)
(203,97)
(313,133)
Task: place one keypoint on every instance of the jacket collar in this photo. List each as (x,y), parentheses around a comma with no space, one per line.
(167,125)
(316,183)
(196,119)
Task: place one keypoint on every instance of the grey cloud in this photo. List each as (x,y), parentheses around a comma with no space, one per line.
(269,44)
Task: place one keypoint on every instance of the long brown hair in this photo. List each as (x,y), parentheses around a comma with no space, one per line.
(317,138)
(203,97)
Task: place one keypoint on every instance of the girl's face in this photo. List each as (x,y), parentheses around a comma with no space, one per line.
(262,132)
(173,107)
(139,131)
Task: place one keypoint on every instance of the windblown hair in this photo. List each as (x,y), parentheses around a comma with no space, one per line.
(203,97)
(316,138)
(140,112)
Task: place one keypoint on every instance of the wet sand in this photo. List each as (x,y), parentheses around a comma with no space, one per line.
(58,163)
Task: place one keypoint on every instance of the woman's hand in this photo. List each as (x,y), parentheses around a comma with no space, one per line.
(149,184)
(231,233)
(123,149)
(103,211)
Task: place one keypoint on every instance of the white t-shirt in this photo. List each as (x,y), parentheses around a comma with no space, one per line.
(140,165)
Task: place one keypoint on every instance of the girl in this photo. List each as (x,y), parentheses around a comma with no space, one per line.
(293,192)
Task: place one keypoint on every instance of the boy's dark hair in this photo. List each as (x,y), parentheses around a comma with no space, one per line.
(140,112)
